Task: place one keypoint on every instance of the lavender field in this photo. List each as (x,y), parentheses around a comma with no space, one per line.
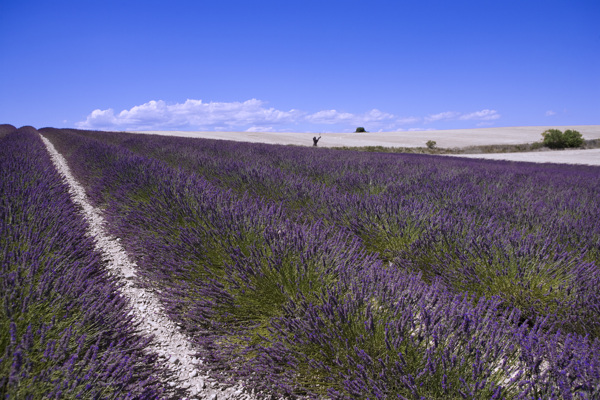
(64,331)
(302,272)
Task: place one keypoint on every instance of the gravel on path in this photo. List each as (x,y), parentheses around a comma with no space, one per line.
(168,341)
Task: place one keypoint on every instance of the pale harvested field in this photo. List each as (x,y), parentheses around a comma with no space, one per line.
(444,138)
(588,157)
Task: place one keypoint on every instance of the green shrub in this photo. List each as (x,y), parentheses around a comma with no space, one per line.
(360,129)
(555,139)
(573,138)
(431,144)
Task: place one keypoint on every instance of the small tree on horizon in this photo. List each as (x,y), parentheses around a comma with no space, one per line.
(360,129)
(555,139)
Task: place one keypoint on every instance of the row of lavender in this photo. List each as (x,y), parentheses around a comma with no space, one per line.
(527,233)
(300,306)
(64,330)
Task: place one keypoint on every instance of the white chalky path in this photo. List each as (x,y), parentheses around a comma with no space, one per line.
(169,342)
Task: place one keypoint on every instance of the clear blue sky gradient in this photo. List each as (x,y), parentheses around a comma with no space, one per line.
(421,64)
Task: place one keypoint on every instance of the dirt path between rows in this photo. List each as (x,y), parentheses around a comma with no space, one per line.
(169,342)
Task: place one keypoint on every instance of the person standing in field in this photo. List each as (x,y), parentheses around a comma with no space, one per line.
(316,140)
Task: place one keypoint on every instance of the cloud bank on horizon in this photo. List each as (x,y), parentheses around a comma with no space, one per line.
(255,115)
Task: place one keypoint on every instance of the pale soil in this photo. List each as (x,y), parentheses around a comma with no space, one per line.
(169,342)
(587,157)
(444,139)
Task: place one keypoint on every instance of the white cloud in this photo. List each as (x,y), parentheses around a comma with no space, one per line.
(336,117)
(376,116)
(550,113)
(260,129)
(483,115)
(329,117)
(254,116)
(99,119)
(441,116)
(193,114)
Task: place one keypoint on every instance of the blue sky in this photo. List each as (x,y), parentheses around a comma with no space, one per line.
(286,65)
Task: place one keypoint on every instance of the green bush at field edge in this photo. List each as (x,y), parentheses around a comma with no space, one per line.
(555,139)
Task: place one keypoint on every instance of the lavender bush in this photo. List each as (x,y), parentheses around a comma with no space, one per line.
(64,330)
(525,232)
(5,129)
(411,277)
